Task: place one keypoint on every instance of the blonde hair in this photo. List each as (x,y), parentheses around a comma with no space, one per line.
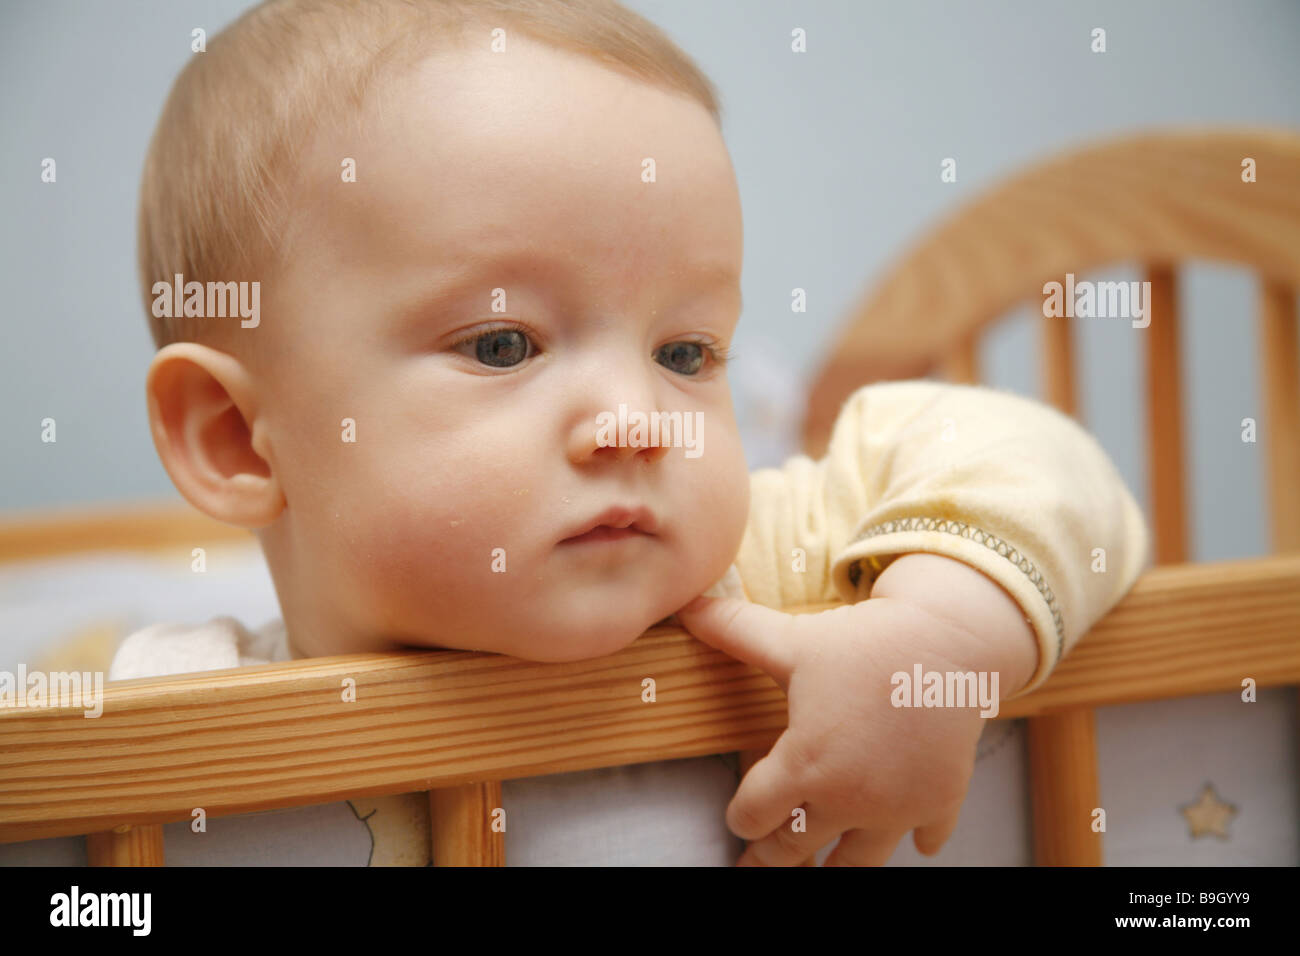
(212,197)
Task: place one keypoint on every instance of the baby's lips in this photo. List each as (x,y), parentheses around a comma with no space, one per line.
(637,517)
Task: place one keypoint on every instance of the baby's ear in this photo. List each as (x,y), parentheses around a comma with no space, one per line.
(203,411)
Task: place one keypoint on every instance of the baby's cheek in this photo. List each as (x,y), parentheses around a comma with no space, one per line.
(404,536)
(426,557)
(725,490)
(740,500)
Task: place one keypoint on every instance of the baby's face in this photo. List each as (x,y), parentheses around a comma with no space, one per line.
(513,180)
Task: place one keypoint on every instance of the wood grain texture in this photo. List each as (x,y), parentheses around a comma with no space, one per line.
(1162,197)
(279,735)
(1064,790)
(126,846)
(462,820)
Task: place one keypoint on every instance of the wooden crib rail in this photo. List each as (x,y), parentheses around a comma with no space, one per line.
(281,735)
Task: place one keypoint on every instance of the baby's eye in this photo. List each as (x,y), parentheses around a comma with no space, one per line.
(683,357)
(500,348)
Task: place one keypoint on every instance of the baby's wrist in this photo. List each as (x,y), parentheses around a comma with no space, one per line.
(1000,638)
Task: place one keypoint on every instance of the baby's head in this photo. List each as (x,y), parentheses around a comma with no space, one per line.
(477,228)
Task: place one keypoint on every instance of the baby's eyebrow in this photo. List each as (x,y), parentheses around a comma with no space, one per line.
(544,271)
(450,284)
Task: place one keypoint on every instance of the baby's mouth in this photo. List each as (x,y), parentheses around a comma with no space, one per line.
(619,523)
(606,533)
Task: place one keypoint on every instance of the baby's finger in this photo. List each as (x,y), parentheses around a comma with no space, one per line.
(930,839)
(865,848)
(795,841)
(752,633)
(767,796)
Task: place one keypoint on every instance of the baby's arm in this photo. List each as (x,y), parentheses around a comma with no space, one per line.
(1007,486)
(949,589)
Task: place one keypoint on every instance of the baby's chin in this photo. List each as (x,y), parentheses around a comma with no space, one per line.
(579,640)
(566,625)
(576,637)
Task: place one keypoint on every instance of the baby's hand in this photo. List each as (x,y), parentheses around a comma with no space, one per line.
(855,763)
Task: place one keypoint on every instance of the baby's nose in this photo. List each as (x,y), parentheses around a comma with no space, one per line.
(649,454)
(626,433)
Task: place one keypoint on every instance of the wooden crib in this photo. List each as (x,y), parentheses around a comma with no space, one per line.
(450,723)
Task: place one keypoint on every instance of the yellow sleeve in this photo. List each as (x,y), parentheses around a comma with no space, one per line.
(1003,483)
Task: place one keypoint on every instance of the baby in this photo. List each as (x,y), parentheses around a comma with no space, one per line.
(478,229)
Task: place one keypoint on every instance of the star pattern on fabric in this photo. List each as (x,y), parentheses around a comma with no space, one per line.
(1208,814)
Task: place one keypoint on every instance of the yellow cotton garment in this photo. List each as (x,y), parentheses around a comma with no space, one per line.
(1005,484)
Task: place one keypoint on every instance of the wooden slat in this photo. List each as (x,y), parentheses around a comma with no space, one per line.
(278,735)
(1281,395)
(1064,791)
(150,526)
(1164,445)
(1164,196)
(1280,383)
(962,366)
(1064,779)
(462,825)
(126,846)
(1059,384)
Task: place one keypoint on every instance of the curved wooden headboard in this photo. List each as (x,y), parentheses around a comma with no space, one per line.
(1155,198)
